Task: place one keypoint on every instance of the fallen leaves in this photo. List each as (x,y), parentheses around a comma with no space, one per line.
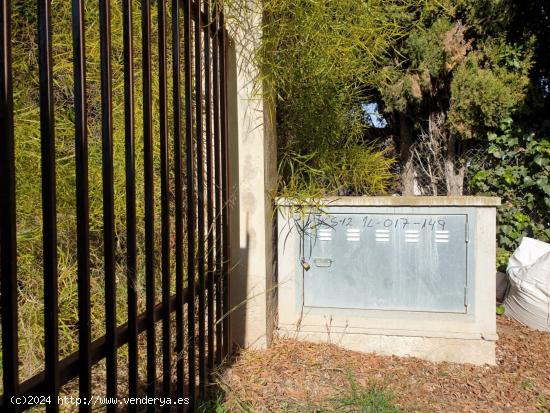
(302,376)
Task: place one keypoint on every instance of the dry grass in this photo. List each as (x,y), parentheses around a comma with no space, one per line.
(304,377)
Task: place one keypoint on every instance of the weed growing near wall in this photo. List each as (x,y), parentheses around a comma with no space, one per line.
(316,59)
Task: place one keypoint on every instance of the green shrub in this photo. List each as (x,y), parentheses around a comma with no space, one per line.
(317,59)
(517,169)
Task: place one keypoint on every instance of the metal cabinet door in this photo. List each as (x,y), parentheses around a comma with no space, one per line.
(387,261)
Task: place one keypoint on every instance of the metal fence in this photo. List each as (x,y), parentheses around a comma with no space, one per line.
(197,169)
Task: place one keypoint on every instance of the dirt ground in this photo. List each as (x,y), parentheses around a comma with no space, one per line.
(294,374)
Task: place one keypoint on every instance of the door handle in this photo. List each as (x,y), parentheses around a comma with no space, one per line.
(323,262)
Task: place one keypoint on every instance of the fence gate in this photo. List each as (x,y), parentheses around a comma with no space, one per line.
(172,254)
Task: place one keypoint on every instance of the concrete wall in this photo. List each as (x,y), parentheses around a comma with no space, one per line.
(252,151)
(436,336)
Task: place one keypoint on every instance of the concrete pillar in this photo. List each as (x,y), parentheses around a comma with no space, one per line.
(252,151)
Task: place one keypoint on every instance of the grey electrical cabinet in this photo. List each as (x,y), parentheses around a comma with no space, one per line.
(401,275)
(386,261)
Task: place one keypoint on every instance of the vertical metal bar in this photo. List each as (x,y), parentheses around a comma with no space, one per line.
(82,202)
(8,238)
(149,200)
(209,189)
(178,175)
(130,199)
(217,186)
(225,187)
(108,198)
(47,133)
(190,171)
(165,205)
(200,195)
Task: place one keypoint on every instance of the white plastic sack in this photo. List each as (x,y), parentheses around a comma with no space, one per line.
(528,299)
